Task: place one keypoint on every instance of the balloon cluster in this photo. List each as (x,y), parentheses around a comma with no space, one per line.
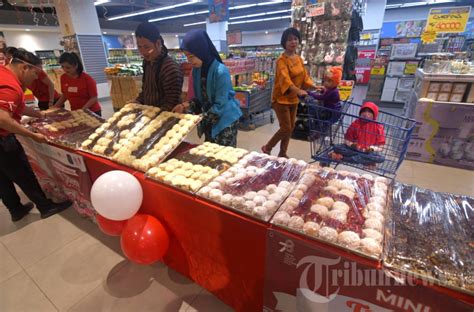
(117,197)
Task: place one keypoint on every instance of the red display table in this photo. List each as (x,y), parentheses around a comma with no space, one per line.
(222,251)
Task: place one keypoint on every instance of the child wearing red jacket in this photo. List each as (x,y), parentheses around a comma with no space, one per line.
(363,140)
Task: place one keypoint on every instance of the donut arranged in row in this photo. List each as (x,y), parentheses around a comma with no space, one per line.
(340,207)
(193,169)
(256,185)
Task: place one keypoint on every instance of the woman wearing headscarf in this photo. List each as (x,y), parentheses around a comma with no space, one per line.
(214,95)
(162,77)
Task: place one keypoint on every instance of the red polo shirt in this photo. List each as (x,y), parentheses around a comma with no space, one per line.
(40,89)
(79,90)
(12,98)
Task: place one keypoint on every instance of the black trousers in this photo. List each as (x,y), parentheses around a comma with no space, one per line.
(15,168)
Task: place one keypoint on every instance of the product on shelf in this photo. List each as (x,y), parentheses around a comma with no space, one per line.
(125,70)
(431,234)
(65,127)
(256,185)
(340,207)
(138,137)
(197,167)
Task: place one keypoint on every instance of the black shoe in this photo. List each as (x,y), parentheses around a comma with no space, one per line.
(55,208)
(23,211)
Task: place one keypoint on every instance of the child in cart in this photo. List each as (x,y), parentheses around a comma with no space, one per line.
(364,140)
(329,97)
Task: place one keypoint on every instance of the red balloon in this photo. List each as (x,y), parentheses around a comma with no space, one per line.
(144,240)
(110,227)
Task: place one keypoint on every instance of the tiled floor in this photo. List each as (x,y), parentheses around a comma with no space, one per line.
(65,263)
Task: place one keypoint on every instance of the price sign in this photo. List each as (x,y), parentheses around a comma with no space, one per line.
(345,89)
(428,36)
(448,20)
(378,70)
(315,10)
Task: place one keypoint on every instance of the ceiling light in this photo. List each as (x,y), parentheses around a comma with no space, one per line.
(192,24)
(133,34)
(266,32)
(176,36)
(238,7)
(104,32)
(99,2)
(163,8)
(260,14)
(177,16)
(260,20)
(27,29)
(415,4)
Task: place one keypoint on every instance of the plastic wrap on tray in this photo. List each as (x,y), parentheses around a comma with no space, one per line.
(120,130)
(155,141)
(340,207)
(197,167)
(65,127)
(431,234)
(256,185)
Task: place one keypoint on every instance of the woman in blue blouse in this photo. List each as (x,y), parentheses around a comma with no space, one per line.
(214,95)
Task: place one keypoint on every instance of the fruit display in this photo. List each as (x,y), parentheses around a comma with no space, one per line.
(138,137)
(431,234)
(197,167)
(256,185)
(339,207)
(124,70)
(65,127)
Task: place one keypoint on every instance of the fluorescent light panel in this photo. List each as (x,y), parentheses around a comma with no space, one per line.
(415,4)
(260,20)
(238,7)
(99,2)
(193,24)
(260,14)
(164,8)
(177,16)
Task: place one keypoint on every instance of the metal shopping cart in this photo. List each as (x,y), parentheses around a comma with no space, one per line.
(328,128)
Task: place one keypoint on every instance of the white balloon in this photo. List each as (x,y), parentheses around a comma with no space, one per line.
(117,195)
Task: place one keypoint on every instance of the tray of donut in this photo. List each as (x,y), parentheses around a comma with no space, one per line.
(140,136)
(193,169)
(341,208)
(67,128)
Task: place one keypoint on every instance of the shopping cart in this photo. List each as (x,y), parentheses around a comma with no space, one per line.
(327,137)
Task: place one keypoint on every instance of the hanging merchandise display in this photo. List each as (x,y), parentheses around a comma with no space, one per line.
(324,29)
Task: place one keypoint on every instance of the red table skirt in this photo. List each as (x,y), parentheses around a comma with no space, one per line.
(222,251)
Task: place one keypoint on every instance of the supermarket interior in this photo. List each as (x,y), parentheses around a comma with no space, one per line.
(237,155)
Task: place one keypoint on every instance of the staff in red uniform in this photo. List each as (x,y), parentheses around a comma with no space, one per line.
(14,166)
(77,86)
(43,89)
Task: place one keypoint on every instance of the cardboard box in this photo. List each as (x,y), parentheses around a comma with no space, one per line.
(443,97)
(446,87)
(434,87)
(456,97)
(396,68)
(459,88)
(405,84)
(432,95)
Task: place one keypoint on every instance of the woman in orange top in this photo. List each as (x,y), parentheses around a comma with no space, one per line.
(291,80)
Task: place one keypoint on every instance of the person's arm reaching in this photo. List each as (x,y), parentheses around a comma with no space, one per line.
(50,85)
(9,124)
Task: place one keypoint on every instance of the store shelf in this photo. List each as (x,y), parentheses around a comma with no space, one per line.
(406,58)
(426,100)
(444,77)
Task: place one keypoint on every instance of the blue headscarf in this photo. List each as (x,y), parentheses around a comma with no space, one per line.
(198,43)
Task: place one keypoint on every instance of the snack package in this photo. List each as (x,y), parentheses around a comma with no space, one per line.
(339,207)
(197,167)
(65,127)
(153,142)
(256,185)
(431,234)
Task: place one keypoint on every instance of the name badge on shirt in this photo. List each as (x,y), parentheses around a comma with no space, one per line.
(72,89)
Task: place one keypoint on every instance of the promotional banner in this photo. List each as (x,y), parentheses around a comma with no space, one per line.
(234,37)
(218,11)
(448,20)
(345,89)
(61,174)
(300,276)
